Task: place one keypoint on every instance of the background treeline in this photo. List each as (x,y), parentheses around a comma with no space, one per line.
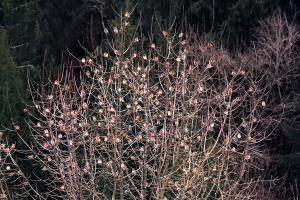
(35,37)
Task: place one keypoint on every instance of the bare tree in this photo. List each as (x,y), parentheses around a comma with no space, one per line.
(263,80)
(187,120)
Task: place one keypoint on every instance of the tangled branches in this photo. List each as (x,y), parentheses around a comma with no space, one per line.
(185,120)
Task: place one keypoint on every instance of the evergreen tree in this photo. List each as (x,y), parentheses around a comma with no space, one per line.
(12,89)
(22,20)
(13,93)
(232,19)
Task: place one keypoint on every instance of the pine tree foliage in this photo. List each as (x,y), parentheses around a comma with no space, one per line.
(69,22)
(22,20)
(13,94)
(230,18)
(12,89)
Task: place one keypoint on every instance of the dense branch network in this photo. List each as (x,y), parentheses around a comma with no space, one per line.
(184,121)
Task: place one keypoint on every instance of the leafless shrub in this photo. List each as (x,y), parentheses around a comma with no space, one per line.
(186,121)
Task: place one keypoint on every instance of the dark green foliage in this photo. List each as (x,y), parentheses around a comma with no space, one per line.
(13,91)
(232,19)
(244,16)
(289,159)
(13,94)
(22,19)
(67,23)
